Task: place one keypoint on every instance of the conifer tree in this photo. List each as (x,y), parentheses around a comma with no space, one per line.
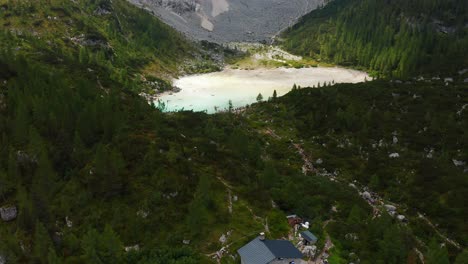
(259,97)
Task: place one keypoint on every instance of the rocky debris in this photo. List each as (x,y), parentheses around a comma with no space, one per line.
(430,154)
(309,251)
(382,143)
(394,155)
(219,254)
(23,158)
(366,195)
(132,248)
(462,108)
(223,239)
(390,208)
(8,213)
(90,41)
(102,11)
(229,20)
(334,209)
(24,248)
(351,237)
(458,163)
(68,222)
(401,218)
(171,195)
(143,214)
(178,6)
(273,204)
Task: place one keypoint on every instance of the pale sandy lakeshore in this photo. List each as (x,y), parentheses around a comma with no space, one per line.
(205,92)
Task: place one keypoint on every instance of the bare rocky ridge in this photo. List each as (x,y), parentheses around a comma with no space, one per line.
(229,20)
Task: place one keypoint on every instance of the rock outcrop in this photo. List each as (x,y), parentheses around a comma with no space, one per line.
(8,213)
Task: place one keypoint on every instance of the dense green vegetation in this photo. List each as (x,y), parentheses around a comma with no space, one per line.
(353,129)
(391,38)
(100,176)
(109,40)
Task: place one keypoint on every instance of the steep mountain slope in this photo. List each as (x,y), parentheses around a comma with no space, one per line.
(69,71)
(91,173)
(111,40)
(392,38)
(229,20)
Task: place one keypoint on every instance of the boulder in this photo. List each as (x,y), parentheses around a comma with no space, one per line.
(351,237)
(132,248)
(394,155)
(319,161)
(309,251)
(23,158)
(8,213)
(390,207)
(143,214)
(401,217)
(366,195)
(2,260)
(68,222)
(102,11)
(223,239)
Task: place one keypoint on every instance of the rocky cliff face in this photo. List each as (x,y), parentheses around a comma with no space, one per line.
(178,6)
(230,20)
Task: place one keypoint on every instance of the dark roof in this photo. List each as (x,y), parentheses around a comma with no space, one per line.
(264,251)
(283,249)
(307,235)
(255,252)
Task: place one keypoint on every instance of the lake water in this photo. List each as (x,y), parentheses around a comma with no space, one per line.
(205,92)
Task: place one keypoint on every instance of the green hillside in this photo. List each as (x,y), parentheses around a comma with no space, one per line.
(390,38)
(98,175)
(112,41)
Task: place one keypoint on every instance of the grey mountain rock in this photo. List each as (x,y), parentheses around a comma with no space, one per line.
(8,213)
(229,20)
